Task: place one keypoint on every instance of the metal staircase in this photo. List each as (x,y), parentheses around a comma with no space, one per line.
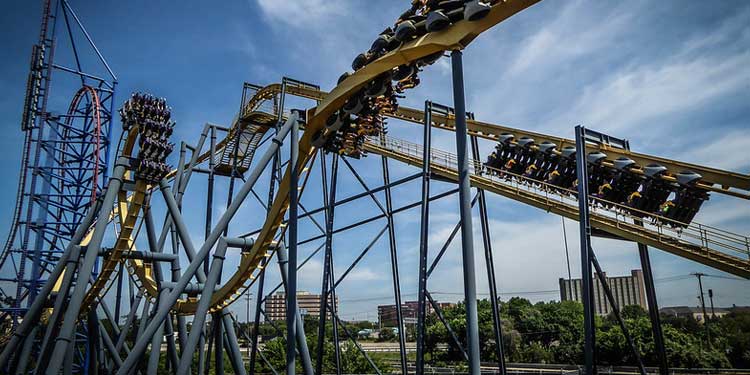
(704,244)
(241,148)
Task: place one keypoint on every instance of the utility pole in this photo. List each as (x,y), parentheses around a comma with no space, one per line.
(700,275)
(711,299)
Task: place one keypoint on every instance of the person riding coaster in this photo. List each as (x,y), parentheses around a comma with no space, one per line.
(633,199)
(602,193)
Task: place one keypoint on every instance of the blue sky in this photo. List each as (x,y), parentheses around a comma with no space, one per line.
(671,76)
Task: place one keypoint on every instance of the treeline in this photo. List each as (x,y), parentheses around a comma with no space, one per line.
(552,332)
(545,332)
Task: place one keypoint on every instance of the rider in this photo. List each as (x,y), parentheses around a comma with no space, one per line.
(604,190)
(530,171)
(665,207)
(634,198)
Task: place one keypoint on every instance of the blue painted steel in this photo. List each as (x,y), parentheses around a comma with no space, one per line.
(65,158)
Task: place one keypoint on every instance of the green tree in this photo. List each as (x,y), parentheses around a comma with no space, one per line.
(386,334)
(735,328)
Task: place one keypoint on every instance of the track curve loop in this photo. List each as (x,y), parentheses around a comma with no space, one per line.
(457,37)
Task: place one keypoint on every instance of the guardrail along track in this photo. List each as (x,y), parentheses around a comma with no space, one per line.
(703,244)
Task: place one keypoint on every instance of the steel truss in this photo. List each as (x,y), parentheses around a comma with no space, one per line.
(160,311)
(65,157)
(264,141)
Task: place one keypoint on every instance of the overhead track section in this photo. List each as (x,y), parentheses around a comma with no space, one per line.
(710,246)
(712,179)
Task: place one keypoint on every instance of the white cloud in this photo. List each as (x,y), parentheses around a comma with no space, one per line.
(364,274)
(725,152)
(303,13)
(725,213)
(554,44)
(633,96)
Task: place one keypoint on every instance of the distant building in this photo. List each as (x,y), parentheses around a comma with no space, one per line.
(387,313)
(308,304)
(627,290)
(693,312)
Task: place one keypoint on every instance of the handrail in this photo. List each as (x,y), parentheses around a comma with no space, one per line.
(699,234)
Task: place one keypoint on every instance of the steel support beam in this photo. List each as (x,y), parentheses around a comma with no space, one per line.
(329,200)
(490,264)
(67,332)
(32,314)
(201,311)
(172,297)
(218,342)
(424,236)
(256,322)
(299,334)
(153,359)
(233,347)
(263,263)
(653,309)
(394,266)
(348,333)
(57,311)
(467,234)
(447,326)
(616,311)
(589,328)
(109,345)
(291,288)
(129,321)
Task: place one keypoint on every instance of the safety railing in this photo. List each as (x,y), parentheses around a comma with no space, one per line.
(667,230)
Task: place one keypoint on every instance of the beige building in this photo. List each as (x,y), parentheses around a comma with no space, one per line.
(627,290)
(308,304)
(694,312)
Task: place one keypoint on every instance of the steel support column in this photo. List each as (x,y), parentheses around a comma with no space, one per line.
(585,239)
(58,309)
(192,269)
(92,343)
(32,314)
(233,348)
(299,334)
(467,234)
(218,342)
(201,311)
(256,323)
(335,323)
(329,200)
(653,308)
(117,361)
(129,321)
(424,236)
(210,191)
(490,264)
(394,266)
(291,288)
(67,332)
(616,311)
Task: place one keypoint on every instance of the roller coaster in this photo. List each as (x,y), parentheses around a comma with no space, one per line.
(649,200)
